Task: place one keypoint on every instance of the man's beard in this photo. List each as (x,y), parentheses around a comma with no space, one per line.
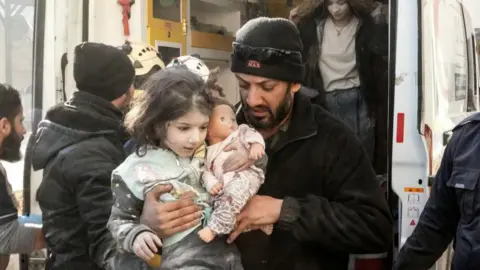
(11,148)
(271,120)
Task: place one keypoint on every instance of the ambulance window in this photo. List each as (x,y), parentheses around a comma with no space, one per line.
(16,61)
(168,10)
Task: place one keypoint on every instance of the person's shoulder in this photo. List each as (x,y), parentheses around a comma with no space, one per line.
(154,165)
(95,147)
(163,162)
(466,133)
(96,153)
(470,122)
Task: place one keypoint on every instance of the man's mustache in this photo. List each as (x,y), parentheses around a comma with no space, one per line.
(249,109)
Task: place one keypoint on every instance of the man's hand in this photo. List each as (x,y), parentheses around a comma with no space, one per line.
(240,160)
(169,218)
(256,151)
(259,211)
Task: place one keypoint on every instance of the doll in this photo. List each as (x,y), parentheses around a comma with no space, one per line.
(231,190)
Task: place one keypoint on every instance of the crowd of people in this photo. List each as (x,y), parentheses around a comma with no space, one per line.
(150,167)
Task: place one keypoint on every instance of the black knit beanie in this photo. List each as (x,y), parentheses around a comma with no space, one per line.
(102,70)
(270,48)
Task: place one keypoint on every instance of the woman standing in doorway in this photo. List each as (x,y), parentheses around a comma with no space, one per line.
(341,51)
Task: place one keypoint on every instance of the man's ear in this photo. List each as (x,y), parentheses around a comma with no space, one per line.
(295,87)
(5,127)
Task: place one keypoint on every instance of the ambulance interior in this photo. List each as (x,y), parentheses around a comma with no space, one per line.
(431,76)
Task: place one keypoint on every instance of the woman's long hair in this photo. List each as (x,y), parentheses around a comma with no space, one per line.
(307,8)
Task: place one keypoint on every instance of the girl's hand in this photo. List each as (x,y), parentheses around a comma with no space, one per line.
(146,245)
(256,151)
(216,189)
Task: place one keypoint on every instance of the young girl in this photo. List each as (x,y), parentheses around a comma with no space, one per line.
(169,123)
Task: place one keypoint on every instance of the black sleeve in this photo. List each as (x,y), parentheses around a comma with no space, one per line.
(356,217)
(378,41)
(375,35)
(91,174)
(438,221)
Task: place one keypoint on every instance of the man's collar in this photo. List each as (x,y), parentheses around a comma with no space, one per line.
(285,126)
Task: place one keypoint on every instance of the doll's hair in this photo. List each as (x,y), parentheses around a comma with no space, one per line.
(212,82)
(168,94)
(222,101)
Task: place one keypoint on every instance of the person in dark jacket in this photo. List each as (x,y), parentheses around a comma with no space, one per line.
(453,209)
(344,51)
(320,190)
(15,237)
(78,145)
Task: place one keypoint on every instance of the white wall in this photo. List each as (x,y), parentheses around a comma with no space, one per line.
(473,7)
(106,22)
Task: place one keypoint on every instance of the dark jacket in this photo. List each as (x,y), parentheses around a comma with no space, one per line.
(369,45)
(333,205)
(453,209)
(78,146)
(8,211)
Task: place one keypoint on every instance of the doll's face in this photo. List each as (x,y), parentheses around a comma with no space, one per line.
(338,9)
(222,122)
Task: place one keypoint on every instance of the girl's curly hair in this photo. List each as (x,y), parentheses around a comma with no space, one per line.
(168,94)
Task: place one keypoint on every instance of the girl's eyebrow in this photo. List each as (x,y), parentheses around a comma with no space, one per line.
(181,123)
(189,124)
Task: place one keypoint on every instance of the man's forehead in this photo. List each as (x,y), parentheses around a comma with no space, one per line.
(253,79)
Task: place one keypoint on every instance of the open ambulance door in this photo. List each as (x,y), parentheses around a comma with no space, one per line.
(433,86)
(408,156)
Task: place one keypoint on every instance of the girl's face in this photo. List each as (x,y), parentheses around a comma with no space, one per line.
(338,9)
(185,134)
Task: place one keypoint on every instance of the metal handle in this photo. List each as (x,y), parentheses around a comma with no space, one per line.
(184,27)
